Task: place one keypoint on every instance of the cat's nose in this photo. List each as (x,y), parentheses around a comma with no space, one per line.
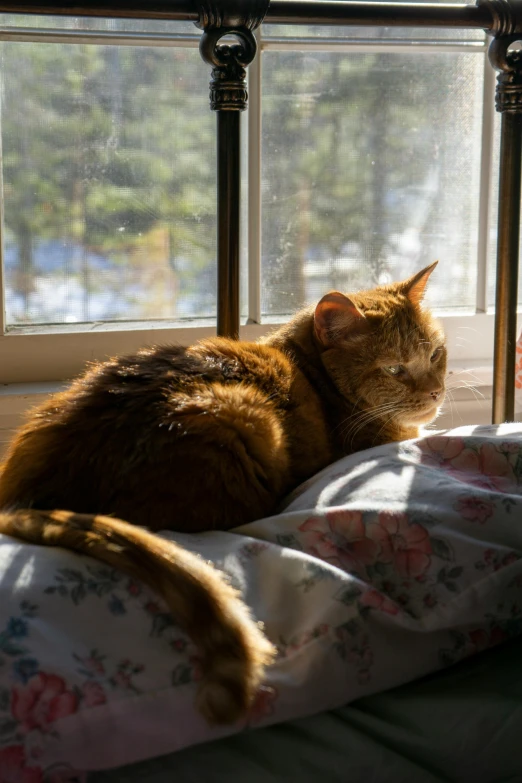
(435,394)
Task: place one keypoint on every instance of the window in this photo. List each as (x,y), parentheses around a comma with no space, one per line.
(368,153)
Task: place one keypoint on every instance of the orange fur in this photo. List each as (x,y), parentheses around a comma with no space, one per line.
(213,436)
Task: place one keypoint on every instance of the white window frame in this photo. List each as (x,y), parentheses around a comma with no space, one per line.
(30,356)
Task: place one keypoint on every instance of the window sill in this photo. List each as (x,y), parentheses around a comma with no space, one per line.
(60,354)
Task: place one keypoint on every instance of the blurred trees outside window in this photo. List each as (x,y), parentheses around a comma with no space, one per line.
(370,170)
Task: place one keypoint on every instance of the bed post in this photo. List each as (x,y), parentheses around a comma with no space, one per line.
(507,27)
(228,97)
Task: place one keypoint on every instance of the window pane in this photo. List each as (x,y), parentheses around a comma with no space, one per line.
(109,179)
(99,23)
(371,167)
(373,34)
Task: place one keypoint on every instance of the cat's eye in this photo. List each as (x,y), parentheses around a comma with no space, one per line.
(436,355)
(395,369)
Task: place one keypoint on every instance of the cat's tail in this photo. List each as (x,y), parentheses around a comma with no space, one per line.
(232,646)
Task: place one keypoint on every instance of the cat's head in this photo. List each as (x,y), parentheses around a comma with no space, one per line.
(384,352)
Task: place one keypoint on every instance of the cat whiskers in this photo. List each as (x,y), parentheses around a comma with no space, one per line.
(453,406)
(454,383)
(344,421)
(394,415)
(463,384)
(388,410)
(454,374)
(363,413)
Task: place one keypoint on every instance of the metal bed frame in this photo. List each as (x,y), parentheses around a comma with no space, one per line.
(502,19)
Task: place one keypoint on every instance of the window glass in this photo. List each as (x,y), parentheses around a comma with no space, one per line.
(109,184)
(90,23)
(371,170)
(373,34)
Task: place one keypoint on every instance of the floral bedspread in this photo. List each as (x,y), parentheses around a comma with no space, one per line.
(389,564)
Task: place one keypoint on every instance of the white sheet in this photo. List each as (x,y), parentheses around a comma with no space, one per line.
(390,564)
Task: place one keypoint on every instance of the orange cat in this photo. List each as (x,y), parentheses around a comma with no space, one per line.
(213,436)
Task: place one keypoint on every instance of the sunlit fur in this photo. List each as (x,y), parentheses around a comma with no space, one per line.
(408,338)
(213,436)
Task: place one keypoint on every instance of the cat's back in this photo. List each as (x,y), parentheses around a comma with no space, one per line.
(140,433)
(145,386)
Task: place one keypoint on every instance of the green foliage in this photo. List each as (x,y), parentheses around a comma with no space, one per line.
(103,147)
(358,149)
(111,150)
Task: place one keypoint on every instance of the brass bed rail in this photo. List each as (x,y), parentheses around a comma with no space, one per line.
(501,19)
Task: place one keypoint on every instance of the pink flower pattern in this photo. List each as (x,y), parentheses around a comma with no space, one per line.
(296,643)
(407,546)
(42,701)
(93,694)
(14,769)
(498,630)
(475,509)
(483,640)
(495,560)
(357,652)
(263,706)
(373,599)
(440,449)
(340,538)
(486,465)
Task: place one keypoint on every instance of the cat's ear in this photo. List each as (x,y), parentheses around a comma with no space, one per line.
(336,317)
(414,287)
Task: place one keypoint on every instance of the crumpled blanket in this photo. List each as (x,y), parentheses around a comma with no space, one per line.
(387,565)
